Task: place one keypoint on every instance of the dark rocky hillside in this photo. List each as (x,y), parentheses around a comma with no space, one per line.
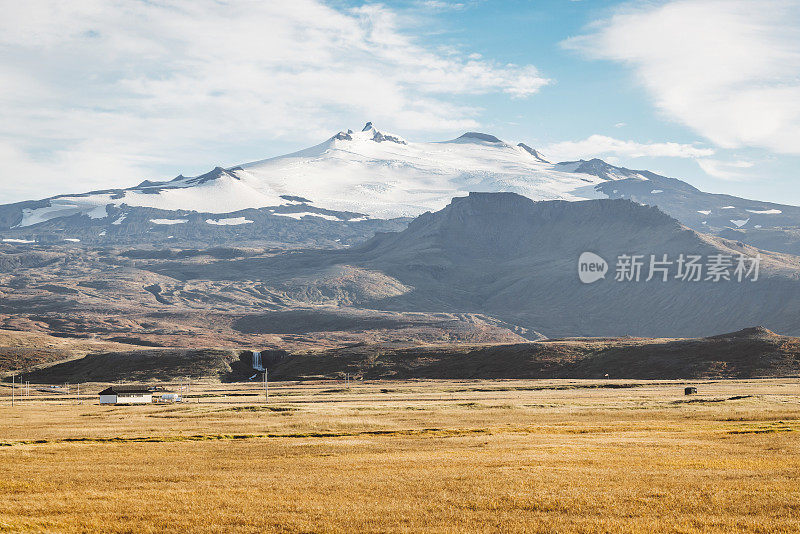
(517,260)
(506,256)
(143,365)
(750,353)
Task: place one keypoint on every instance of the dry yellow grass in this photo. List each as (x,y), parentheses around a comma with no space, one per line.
(511,456)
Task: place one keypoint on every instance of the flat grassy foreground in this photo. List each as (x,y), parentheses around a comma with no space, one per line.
(438,456)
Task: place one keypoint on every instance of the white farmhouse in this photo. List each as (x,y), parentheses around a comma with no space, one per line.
(126,395)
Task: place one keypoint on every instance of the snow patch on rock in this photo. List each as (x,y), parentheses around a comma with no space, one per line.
(229,221)
(300,215)
(766,212)
(169,221)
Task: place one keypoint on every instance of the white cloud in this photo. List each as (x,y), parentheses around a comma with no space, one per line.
(729,69)
(601,145)
(97,92)
(440,5)
(725,170)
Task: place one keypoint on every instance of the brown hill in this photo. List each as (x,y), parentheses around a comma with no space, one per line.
(143,366)
(25,351)
(750,353)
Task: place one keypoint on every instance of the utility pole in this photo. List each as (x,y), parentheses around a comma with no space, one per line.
(13,380)
(266,387)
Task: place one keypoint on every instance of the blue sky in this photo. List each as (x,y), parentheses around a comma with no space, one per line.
(109,92)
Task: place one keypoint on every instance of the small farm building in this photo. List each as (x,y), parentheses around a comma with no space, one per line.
(126,395)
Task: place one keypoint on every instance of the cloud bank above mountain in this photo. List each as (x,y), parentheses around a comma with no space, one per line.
(602,145)
(106,93)
(101,90)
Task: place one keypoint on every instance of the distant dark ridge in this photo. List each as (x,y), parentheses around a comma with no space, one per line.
(296,199)
(755,332)
(135,341)
(214,174)
(533,152)
(480,137)
(511,210)
(601,169)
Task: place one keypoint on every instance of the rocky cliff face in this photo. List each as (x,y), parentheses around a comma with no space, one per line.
(518,260)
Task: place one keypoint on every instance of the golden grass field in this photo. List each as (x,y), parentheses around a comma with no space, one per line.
(413,456)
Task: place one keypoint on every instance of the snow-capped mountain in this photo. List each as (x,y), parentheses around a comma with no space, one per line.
(369,172)
(347,187)
(385,176)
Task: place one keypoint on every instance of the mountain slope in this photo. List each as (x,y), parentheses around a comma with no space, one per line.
(347,188)
(706,212)
(504,255)
(517,260)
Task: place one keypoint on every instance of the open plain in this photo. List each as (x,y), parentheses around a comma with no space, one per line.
(413,456)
